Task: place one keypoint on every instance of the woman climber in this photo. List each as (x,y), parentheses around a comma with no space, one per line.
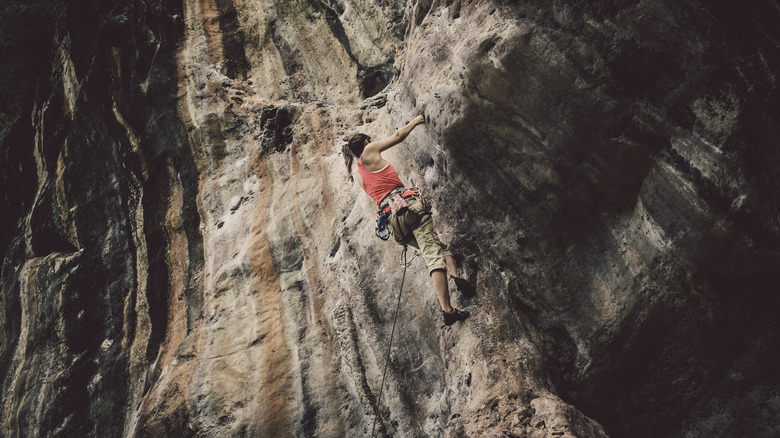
(408,215)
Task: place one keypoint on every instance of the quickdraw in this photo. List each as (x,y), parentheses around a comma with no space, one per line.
(382,216)
(404,263)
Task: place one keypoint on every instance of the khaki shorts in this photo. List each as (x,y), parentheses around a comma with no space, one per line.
(423,237)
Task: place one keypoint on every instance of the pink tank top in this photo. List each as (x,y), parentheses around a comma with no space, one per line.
(378,184)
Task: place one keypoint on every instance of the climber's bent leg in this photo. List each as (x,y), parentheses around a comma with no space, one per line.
(442,292)
(434,252)
(452,270)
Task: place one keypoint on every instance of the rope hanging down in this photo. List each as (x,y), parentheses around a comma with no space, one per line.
(390,344)
(404,263)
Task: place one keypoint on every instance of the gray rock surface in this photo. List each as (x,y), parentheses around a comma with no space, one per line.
(185,255)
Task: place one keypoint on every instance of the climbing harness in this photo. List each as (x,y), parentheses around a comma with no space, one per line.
(397,204)
(390,344)
(383,214)
(393,203)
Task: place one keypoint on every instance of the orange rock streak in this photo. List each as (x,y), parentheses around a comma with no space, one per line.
(276,394)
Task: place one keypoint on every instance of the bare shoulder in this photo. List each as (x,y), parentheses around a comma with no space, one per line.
(372,159)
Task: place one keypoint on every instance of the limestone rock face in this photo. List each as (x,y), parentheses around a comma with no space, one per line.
(184,253)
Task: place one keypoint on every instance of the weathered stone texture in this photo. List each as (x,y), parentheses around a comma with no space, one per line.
(184,253)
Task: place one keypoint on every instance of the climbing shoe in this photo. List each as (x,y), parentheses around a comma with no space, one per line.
(464,286)
(455,316)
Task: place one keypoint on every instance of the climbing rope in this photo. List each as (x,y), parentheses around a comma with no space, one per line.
(404,264)
(390,344)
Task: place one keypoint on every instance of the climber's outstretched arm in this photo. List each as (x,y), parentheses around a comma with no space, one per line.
(375,148)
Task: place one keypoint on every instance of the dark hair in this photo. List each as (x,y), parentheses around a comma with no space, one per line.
(354,149)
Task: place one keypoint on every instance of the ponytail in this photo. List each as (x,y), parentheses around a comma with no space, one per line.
(348,159)
(353,149)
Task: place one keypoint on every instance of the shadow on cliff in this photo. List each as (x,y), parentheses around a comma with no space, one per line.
(695,349)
